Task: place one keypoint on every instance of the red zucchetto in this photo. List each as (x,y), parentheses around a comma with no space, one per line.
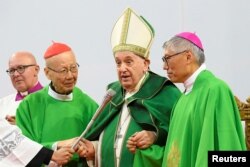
(55,49)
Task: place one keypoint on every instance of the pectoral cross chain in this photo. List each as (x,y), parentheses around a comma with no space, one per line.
(118,136)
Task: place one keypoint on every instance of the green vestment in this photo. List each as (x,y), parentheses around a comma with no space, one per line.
(150,109)
(203,120)
(47,120)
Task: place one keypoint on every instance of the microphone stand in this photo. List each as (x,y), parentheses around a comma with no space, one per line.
(110,93)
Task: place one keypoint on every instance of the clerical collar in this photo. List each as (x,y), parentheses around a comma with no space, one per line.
(189,83)
(137,87)
(58,96)
(24,93)
(21,95)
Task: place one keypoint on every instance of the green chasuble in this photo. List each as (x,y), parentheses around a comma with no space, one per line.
(47,120)
(150,109)
(203,120)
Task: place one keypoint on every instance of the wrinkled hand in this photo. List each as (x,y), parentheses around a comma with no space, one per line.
(86,149)
(67,142)
(142,140)
(63,155)
(11,119)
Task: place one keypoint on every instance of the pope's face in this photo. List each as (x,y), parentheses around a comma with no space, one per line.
(62,70)
(130,69)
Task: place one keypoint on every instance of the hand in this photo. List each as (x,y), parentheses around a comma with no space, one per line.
(63,155)
(67,142)
(142,140)
(86,149)
(11,119)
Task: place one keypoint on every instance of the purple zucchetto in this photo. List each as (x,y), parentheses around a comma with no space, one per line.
(192,37)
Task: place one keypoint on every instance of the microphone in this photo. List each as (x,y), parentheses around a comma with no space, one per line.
(109,95)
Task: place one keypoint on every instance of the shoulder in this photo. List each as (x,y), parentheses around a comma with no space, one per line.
(81,95)
(37,96)
(156,78)
(78,92)
(207,80)
(114,84)
(163,83)
(10,97)
(40,93)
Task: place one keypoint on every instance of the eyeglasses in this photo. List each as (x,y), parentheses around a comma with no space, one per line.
(64,70)
(20,69)
(166,58)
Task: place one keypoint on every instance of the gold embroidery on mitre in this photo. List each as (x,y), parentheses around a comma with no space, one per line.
(129,47)
(132,32)
(173,158)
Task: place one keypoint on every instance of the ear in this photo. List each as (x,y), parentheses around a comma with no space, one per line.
(47,73)
(37,68)
(146,64)
(189,56)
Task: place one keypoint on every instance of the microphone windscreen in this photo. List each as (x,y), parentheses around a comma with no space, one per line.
(111,92)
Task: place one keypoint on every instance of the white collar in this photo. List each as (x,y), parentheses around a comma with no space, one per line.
(24,93)
(137,87)
(189,83)
(60,97)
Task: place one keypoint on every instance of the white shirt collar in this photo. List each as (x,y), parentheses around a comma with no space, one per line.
(189,83)
(24,93)
(60,97)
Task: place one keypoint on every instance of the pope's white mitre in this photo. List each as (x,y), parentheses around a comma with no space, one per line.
(132,33)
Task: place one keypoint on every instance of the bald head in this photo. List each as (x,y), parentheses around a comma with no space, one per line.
(23,55)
